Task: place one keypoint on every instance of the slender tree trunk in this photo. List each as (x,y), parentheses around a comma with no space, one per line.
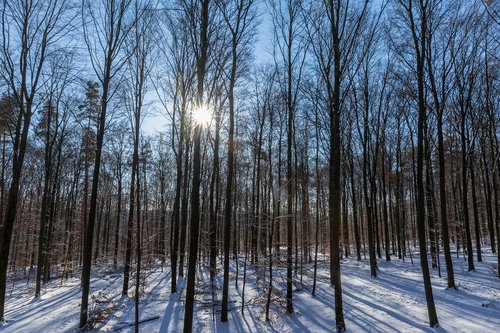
(100,216)
(195,192)
(335,158)
(184,210)
(277,228)
(465,197)
(357,237)
(2,177)
(289,182)
(130,223)
(114,39)
(42,236)
(444,211)
(345,216)
(229,184)
(174,253)
(477,227)
(89,232)
(138,235)
(213,204)
(429,198)
(118,213)
(318,200)
(488,197)
(385,213)
(369,198)
(420,51)
(271,219)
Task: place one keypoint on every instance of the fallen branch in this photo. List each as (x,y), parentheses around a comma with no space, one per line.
(117,328)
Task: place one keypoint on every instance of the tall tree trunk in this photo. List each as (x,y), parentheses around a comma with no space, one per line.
(465,196)
(443,203)
(45,206)
(385,213)
(345,217)
(318,200)
(195,192)
(477,228)
(118,212)
(114,40)
(89,232)
(137,233)
(229,182)
(334,185)
(272,216)
(176,217)
(213,203)
(184,210)
(289,179)
(429,197)
(131,215)
(488,197)
(369,180)
(420,52)
(357,237)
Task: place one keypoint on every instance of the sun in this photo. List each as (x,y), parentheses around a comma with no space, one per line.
(202,116)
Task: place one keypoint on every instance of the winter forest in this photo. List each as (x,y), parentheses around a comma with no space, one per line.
(249,166)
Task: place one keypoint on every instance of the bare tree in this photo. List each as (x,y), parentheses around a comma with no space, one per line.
(465,57)
(201,21)
(290,51)
(333,49)
(239,17)
(439,68)
(30,31)
(415,14)
(139,44)
(53,129)
(105,29)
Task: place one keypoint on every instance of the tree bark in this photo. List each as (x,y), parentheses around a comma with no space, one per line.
(195,192)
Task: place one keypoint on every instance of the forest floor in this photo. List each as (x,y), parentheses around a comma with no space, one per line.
(393,302)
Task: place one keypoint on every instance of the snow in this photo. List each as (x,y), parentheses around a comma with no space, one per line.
(393,302)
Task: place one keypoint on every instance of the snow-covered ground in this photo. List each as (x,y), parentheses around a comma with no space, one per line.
(393,302)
